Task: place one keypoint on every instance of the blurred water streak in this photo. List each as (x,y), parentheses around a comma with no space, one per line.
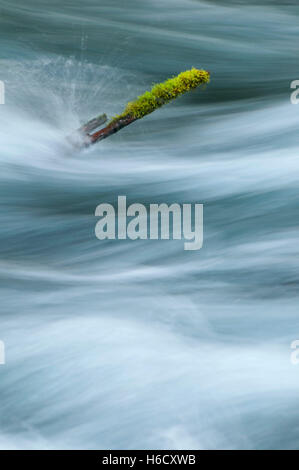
(139,344)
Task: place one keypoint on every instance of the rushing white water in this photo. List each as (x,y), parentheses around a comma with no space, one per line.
(140,344)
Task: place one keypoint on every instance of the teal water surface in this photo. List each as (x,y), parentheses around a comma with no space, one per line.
(140,344)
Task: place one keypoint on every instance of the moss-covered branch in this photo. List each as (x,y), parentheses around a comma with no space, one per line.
(145,104)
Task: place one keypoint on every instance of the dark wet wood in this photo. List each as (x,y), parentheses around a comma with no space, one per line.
(93,124)
(112,128)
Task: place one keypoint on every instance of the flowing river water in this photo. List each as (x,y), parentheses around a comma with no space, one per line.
(125,344)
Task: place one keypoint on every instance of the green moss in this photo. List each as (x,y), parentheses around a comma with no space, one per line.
(162,93)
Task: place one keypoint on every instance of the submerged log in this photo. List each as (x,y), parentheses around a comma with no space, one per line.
(112,128)
(93,124)
(82,134)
